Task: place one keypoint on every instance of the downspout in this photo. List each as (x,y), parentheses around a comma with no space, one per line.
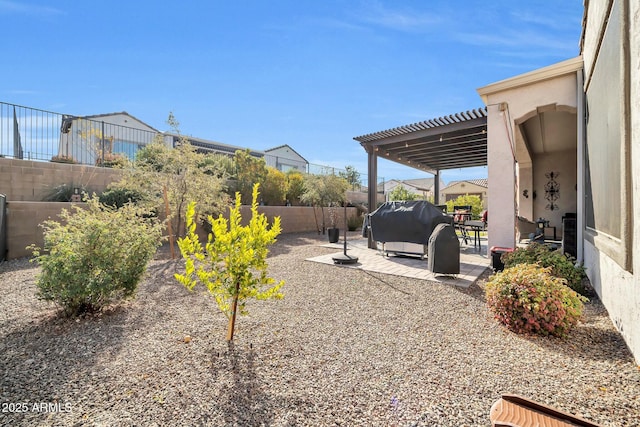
(581,124)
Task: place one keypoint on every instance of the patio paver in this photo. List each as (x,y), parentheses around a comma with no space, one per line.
(472,263)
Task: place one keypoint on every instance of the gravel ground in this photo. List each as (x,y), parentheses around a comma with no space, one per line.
(344,347)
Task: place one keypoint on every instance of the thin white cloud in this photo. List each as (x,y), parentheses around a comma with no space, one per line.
(401,20)
(554,21)
(9,7)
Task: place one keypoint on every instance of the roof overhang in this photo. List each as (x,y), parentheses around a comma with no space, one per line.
(450,142)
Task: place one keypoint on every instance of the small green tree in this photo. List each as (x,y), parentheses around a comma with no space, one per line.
(250,170)
(95,256)
(183,172)
(401,193)
(295,185)
(467,200)
(233,264)
(352,176)
(324,190)
(274,189)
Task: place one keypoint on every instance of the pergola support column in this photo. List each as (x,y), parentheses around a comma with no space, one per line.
(372,174)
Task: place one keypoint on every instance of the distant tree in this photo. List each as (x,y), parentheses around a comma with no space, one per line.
(185,175)
(274,191)
(352,176)
(295,185)
(467,200)
(250,170)
(401,193)
(324,190)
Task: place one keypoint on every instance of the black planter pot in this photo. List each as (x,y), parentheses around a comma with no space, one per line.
(334,234)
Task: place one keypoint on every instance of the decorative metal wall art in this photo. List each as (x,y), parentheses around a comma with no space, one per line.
(552,191)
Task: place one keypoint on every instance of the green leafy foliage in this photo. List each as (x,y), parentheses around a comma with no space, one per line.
(118,197)
(250,170)
(353,222)
(352,176)
(295,186)
(401,193)
(467,200)
(186,175)
(561,265)
(232,265)
(62,193)
(274,189)
(94,256)
(528,299)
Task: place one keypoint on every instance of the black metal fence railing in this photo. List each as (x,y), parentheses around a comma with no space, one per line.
(33,134)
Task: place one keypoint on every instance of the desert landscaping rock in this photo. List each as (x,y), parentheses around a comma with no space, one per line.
(344,347)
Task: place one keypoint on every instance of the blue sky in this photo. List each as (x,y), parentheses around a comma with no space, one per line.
(258,74)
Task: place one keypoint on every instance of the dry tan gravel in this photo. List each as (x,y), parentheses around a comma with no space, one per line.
(345,347)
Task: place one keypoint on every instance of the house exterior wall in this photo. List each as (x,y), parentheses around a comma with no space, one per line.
(617,284)
(119,132)
(507,104)
(285,159)
(565,165)
(462,188)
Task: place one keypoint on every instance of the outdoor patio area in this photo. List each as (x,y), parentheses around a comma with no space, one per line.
(473,262)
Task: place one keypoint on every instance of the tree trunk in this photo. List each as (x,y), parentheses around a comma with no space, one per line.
(232,319)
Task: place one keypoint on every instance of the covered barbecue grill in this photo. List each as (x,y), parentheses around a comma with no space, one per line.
(405,226)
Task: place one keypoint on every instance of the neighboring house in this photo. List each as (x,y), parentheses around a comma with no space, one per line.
(206,146)
(89,138)
(564,140)
(472,187)
(284,158)
(421,187)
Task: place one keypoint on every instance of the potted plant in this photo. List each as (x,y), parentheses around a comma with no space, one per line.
(333,232)
(324,190)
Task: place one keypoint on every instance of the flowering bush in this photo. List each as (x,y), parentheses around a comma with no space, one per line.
(562,265)
(528,299)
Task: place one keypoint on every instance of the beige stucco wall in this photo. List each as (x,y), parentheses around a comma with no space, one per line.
(619,289)
(509,102)
(462,188)
(27,180)
(565,164)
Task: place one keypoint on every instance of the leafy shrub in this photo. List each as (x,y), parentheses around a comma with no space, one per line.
(113,160)
(118,196)
(353,222)
(63,158)
(562,265)
(528,299)
(62,193)
(98,256)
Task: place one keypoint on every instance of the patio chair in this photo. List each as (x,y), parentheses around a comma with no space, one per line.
(461,214)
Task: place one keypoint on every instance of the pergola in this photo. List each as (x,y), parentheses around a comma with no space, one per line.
(450,142)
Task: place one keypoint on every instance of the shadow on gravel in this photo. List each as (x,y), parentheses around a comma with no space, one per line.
(50,359)
(243,400)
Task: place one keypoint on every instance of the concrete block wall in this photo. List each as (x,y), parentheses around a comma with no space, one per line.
(23,219)
(28,180)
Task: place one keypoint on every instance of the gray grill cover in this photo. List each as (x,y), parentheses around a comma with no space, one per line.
(406,221)
(443,251)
